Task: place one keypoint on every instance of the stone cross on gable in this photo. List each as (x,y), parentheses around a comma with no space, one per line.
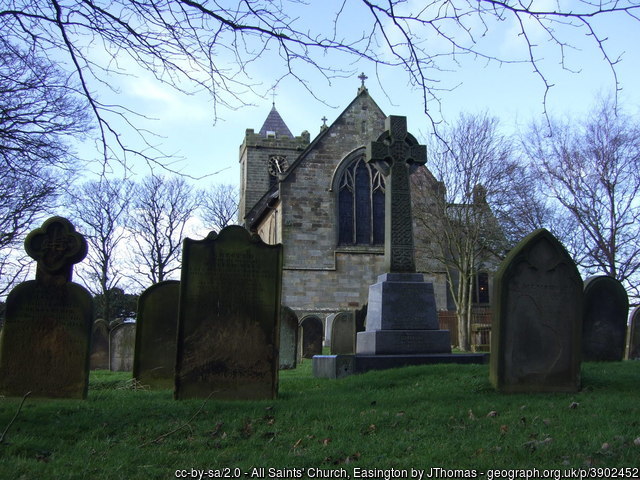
(393,154)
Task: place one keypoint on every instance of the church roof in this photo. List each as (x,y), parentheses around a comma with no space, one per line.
(275,124)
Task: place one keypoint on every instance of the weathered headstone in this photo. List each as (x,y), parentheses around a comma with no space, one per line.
(633,348)
(288,338)
(361,318)
(328,323)
(123,343)
(537,318)
(45,341)
(99,357)
(343,334)
(156,330)
(228,321)
(605,312)
(311,327)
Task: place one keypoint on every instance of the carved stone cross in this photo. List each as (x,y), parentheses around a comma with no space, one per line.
(393,154)
(56,246)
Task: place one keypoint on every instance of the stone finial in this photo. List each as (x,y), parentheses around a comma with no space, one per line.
(56,247)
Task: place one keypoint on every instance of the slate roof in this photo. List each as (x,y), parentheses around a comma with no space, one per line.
(274,123)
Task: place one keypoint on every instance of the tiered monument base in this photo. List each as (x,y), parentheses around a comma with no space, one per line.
(402,330)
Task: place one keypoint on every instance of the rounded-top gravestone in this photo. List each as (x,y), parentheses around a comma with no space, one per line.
(45,342)
(604,328)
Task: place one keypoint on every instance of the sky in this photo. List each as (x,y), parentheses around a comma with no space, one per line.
(209,146)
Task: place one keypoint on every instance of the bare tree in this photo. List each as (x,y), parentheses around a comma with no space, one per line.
(101,208)
(219,206)
(457,215)
(39,115)
(162,208)
(592,168)
(198,45)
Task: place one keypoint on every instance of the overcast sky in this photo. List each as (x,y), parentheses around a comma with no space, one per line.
(514,93)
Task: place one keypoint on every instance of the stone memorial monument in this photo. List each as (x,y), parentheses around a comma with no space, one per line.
(311,334)
(288,338)
(156,329)
(99,357)
(604,326)
(402,324)
(228,320)
(633,344)
(537,318)
(343,334)
(45,341)
(122,347)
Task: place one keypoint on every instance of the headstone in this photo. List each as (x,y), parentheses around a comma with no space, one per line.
(123,344)
(605,313)
(633,348)
(328,323)
(45,341)
(156,330)
(343,334)
(99,357)
(311,327)
(229,313)
(288,338)
(361,318)
(537,318)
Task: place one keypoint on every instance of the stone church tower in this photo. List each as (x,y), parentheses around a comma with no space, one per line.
(325,204)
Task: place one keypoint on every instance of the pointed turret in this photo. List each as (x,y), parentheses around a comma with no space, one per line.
(274,125)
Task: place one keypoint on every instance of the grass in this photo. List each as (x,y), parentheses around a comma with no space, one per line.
(444,416)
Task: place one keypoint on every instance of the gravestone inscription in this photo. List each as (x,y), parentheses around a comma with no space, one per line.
(604,328)
(537,318)
(156,330)
(45,341)
(288,338)
(229,314)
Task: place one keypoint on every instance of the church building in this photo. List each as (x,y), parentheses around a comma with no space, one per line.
(325,204)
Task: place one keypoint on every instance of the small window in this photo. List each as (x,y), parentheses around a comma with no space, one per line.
(481,288)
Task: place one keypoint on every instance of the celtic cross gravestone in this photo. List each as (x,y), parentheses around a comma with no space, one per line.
(394,154)
(44,347)
(401,316)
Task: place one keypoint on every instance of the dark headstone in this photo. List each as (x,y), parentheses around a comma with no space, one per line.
(123,344)
(311,327)
(343,334)
(228,322)
(605,312)
(633,349)
(45,341)
(361,318)
(288,338)
(156,330)
(537,318)
(99,357)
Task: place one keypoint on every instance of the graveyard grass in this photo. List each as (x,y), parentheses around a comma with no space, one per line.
(445,416)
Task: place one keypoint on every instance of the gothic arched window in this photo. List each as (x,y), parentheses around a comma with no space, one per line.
(361,205)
